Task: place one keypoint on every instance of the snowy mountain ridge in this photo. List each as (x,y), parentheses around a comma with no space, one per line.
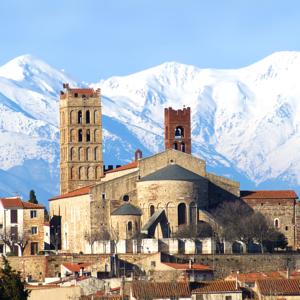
(245,122)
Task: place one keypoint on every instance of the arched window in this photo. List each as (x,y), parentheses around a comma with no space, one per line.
(72,121)
(96,135)
(175,146)
(179,132)
(73,173)
(72,153)
(276,223)
(96,117)
(81,173)
(80,135)
(79,117)
(129,228)
(72,135)
(88,135)
(126,198)
(90,173)
(152,210)
(87,117)
(182,147)
(181,214)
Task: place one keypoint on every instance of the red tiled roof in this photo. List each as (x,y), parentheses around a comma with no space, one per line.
(75,267)
(220,286)
(29,205)
(154,290)
(279,286)
(280,194)
(131,165)
(13,202)
(16,202)
(252,277)
(186,266)
(78,192)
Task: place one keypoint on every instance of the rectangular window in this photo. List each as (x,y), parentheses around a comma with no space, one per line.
(103,196)
(34,248)
(13,216)
(153,264)
(1,248)
(33,214)
(14,231)
(34,230)
(1,226)
(228,298)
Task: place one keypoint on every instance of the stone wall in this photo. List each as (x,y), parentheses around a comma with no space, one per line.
(282,210)
(38,222)
(151,164)
(226,264)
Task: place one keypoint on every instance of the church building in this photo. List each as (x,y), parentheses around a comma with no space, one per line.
(152,196)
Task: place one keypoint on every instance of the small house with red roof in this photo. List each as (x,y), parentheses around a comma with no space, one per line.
(21,226)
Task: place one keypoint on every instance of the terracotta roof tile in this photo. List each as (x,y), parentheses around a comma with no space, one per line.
(16,202)
(131,165)
(279,194)
(78,192)
(28,205)
(154,290)
(220,286)
(279,286)
(186,266)
(252,277)
(75,267)
(13,202)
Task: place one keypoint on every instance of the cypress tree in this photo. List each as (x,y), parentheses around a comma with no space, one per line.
(12,287)
(32,197)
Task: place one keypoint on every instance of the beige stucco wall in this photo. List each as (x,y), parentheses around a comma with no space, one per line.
(75,221)
(71,292)
(221,296)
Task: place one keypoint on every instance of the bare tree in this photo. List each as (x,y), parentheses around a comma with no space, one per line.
(94,236)
(12,237)
(240,223)
(191,231)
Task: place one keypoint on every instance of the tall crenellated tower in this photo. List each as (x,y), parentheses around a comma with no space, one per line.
(81,161)
(178,129)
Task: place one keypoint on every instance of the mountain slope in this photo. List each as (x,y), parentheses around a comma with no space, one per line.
(245,122)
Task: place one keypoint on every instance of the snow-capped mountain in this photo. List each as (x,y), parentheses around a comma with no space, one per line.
(245,121)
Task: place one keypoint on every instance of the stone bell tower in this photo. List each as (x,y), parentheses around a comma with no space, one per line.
(178,129)
(81,161)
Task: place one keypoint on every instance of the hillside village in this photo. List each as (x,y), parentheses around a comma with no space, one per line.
(159,227)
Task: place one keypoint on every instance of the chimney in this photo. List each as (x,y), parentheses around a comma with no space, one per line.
(81,272)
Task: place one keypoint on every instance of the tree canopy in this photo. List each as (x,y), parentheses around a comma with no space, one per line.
(12,287)
(32,197)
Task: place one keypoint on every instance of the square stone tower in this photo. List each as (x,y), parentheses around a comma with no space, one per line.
(81,161)
(178,129)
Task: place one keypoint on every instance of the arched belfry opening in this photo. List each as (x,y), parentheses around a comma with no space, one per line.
(181,210)
(178,129)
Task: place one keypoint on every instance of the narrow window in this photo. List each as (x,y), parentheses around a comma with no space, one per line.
(34,230)
(88,135)
(80,135)
(34,248)
(276,223)
(126,198)
(183,147)
(87,117)
(175,146)
(13,216)
(79,117)
(181,214)
(152,210)
(33,214)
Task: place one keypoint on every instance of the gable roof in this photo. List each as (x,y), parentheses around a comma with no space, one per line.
(279,286)
(159,290)
(219,286)
(16,202)
(172,172)
(186,266)
(279,194)
(127,210)
(78,192)
(129,166)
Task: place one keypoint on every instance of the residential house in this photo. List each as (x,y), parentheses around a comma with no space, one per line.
(21,226)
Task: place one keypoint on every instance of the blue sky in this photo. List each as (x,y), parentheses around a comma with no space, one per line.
(94,39)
